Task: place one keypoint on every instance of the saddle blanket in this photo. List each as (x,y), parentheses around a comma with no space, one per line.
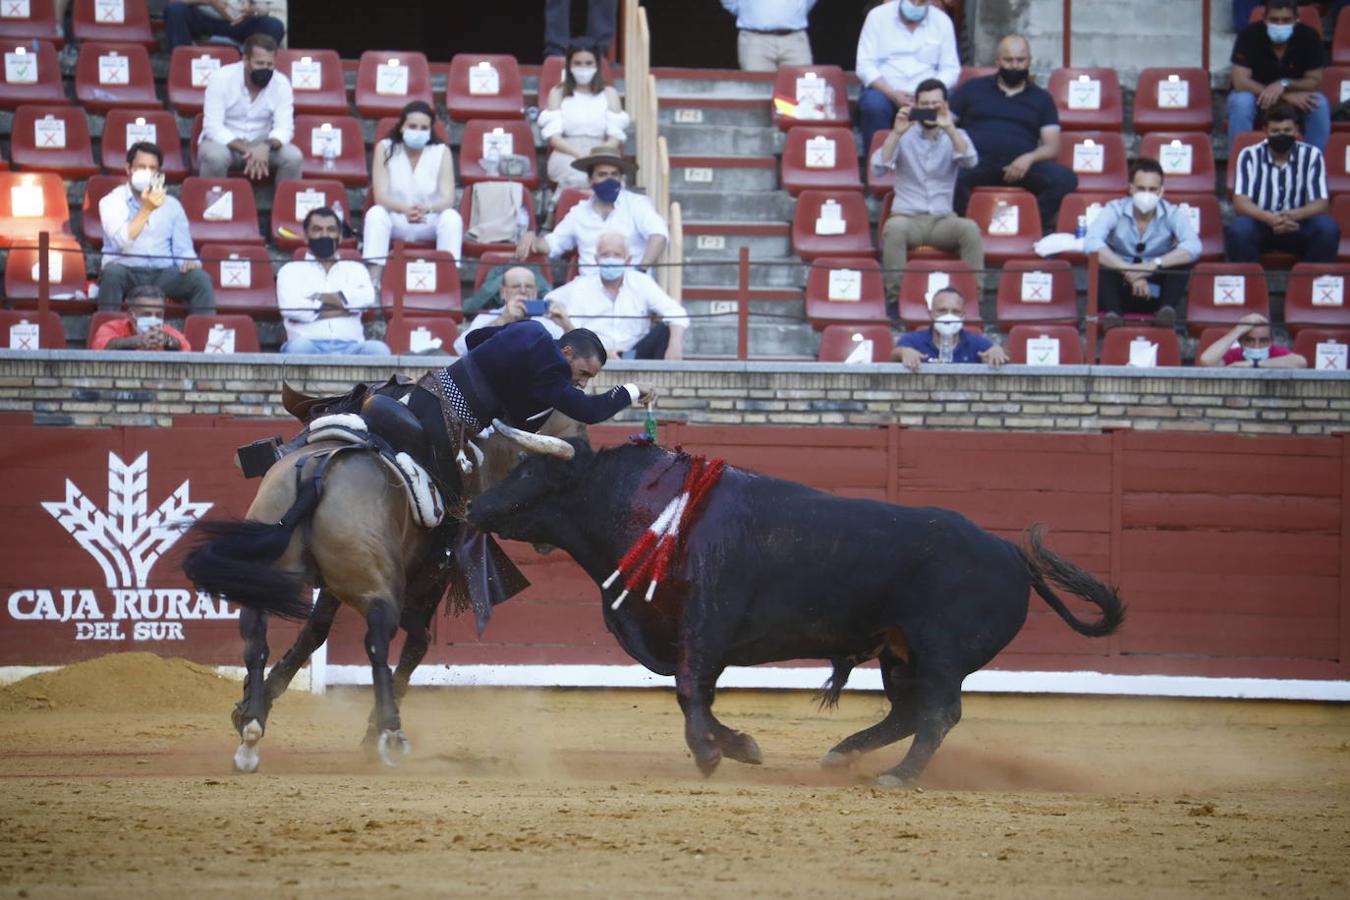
(423,498)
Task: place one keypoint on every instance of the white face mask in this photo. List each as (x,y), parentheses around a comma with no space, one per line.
(145,323)
(141,179)
(1146,201)
(948,324)
(583,74)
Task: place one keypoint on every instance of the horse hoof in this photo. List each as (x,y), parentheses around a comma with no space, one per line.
(393,742)
(836,760)
(247,757)
(891,782)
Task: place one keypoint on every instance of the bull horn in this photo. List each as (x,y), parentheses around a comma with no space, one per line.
(535,443)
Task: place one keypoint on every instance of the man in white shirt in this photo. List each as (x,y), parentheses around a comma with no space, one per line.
(248,118)
(902,44)
(519,287)
(771,33)
(616,302)
(321,296)
(612,208)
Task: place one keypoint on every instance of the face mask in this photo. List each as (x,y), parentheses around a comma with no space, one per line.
(1255,353)
(322,247)
(1280,34)
(607,190)
(1146,201)
(415,138)
(583,74)
(141,180)
(612,267)
(146,323)
(1012,77)
(260,77)
(947,324)
(911,12)
(1281,143)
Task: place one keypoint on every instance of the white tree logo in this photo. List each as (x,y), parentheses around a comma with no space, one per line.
(125,540)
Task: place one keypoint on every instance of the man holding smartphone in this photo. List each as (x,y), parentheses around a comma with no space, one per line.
(142,328)
(519,301)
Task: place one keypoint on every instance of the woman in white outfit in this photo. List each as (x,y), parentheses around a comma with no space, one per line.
(412,182)
(583,114)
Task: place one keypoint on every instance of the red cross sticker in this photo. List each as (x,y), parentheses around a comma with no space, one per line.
(420,283)
(1230,296)
(1326,296)
(49,139)
(14,10)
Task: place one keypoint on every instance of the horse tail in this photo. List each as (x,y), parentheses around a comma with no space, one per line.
(1044,565)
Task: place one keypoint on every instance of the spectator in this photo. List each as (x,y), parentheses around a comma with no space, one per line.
(610,208)
(518,286)
(902,44)
(771,33)
(1279,60)
(1254,349)
(1015,127)
(583,115)
(146,239)
(1243,9)
(600,15)
(142,328)
(249,118)
(1280,197)
(321,297)
(946,340)
(412,182)
(926,161)
(190,20)
(1135,238)
(617,303)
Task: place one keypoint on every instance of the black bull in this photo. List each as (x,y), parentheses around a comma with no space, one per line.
(774,571)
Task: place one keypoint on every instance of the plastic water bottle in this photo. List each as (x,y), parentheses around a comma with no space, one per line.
(329,156)
(1080,232)
(827,109)
(649,426)
(532,113)
(522,222)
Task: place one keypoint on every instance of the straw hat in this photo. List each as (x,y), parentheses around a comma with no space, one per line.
(605,155)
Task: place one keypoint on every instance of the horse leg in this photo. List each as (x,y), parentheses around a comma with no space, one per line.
(417,626)
(897,678)
(311,637)
(250,715)
(381,623)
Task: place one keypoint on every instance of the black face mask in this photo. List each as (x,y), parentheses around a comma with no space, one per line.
(323,247)
(1281,143)
(260,77)
(1012,77)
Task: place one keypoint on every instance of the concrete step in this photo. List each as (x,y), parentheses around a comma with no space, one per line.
(769,334)
(719,88)
(718,240)
(723,173)
(787,272)
(760,206)
(698,111)
(731,140)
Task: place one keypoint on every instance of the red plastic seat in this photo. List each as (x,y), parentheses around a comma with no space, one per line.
(1009,220)
(969,72)
(829,297)
(317,80)
(31,20)
(295,198)
(1070,344)
(32,74)
(112,21)
(1306,345)
(785,86)
(1340,46)
(1337,158)
(924,277)
(399,334)
(856,239)
(883,184)
(241,226)
(123,127)
(95,189)
(1214,299)
(1318,294)
(109,75)
(52,139)
(198,331)
(348,165)
(32,202)
(67,273)
(1244,140)
(1187,158)
(1173,99)
(1340,211)
(490,259)
(924,252)
(1083,107)
(1204,210)
(50,336)
(387,80)
(189,70)
(1097,158)
(428,281)
(475,249)
(568,198)
(242,276)
(1080,203)
(820,158)
(1116,346)
(838,341)
(551,75)
(472,91)
(471,146)
(1308,15)
(1040,290)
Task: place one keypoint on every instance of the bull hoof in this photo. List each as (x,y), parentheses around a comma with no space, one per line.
(392,747)
(707,763)
(742,748)
(836,760)
(894,782)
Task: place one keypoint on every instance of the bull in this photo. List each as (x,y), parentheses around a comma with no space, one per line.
(774,570)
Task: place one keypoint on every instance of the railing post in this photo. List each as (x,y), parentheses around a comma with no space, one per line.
(1093,265)
(44,274)
(743,307)
(1205,23)
(396,320)
(1068,33)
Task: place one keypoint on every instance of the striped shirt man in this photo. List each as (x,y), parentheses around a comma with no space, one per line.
(1300,180)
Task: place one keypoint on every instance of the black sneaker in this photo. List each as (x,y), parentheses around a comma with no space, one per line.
(1165,317)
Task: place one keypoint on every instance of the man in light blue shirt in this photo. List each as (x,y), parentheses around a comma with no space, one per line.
(772,33)
(146,238)
(1144,248)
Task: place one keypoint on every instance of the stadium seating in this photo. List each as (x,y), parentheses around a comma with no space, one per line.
(189,70)
(819,158)
(294,198)
(1116,346)
(97,321)
(32,202)
(1306,346)
(1070,350)
(846,210)
(924,252)
(969,72)
(1187,158)
(1173,99)
(1244,140)
(1222,293)
(1088,98)
(31,21)
(1317,295)
(221,334)
(52,139)
(1097,158)
(484,86)
(1036,290)
(877,185)
(32,74)
(1080,203)
(50,336)
(233,213)
(1340,45)
(428,280)
(1204,208)
(109,75)
(1208,337)
(95,189)
(1308,15)
(475,249)
(66,273)
(242,276)
(1340,211)
(844,290)
(1338,162)
(387,80)
(317,80)
(399,334)
(1009,220)
(551,73)
(112,21)
(838,341)
(793,82)
(472,145)
(923,277)
(124,127)
(566,199)
(348,164)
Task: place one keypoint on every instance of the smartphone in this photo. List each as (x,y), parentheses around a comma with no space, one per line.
(157,183)
(536,307)
(923,115)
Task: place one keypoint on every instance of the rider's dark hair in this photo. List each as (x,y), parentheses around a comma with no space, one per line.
(585,344)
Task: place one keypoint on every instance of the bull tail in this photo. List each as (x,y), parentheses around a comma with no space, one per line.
(828,695)
(1046,566)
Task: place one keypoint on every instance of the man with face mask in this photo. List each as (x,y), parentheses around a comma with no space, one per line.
(1280,197)
(1248,345)
(321,297)
(902,44)
(1142,242)
(248,118)
(946,340)
(142,328)
(146,238)
(1279,60)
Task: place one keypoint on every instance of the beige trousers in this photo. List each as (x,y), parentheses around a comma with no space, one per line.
(949,232)
(766,52)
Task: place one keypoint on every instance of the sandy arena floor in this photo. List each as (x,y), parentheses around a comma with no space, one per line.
(117,783)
